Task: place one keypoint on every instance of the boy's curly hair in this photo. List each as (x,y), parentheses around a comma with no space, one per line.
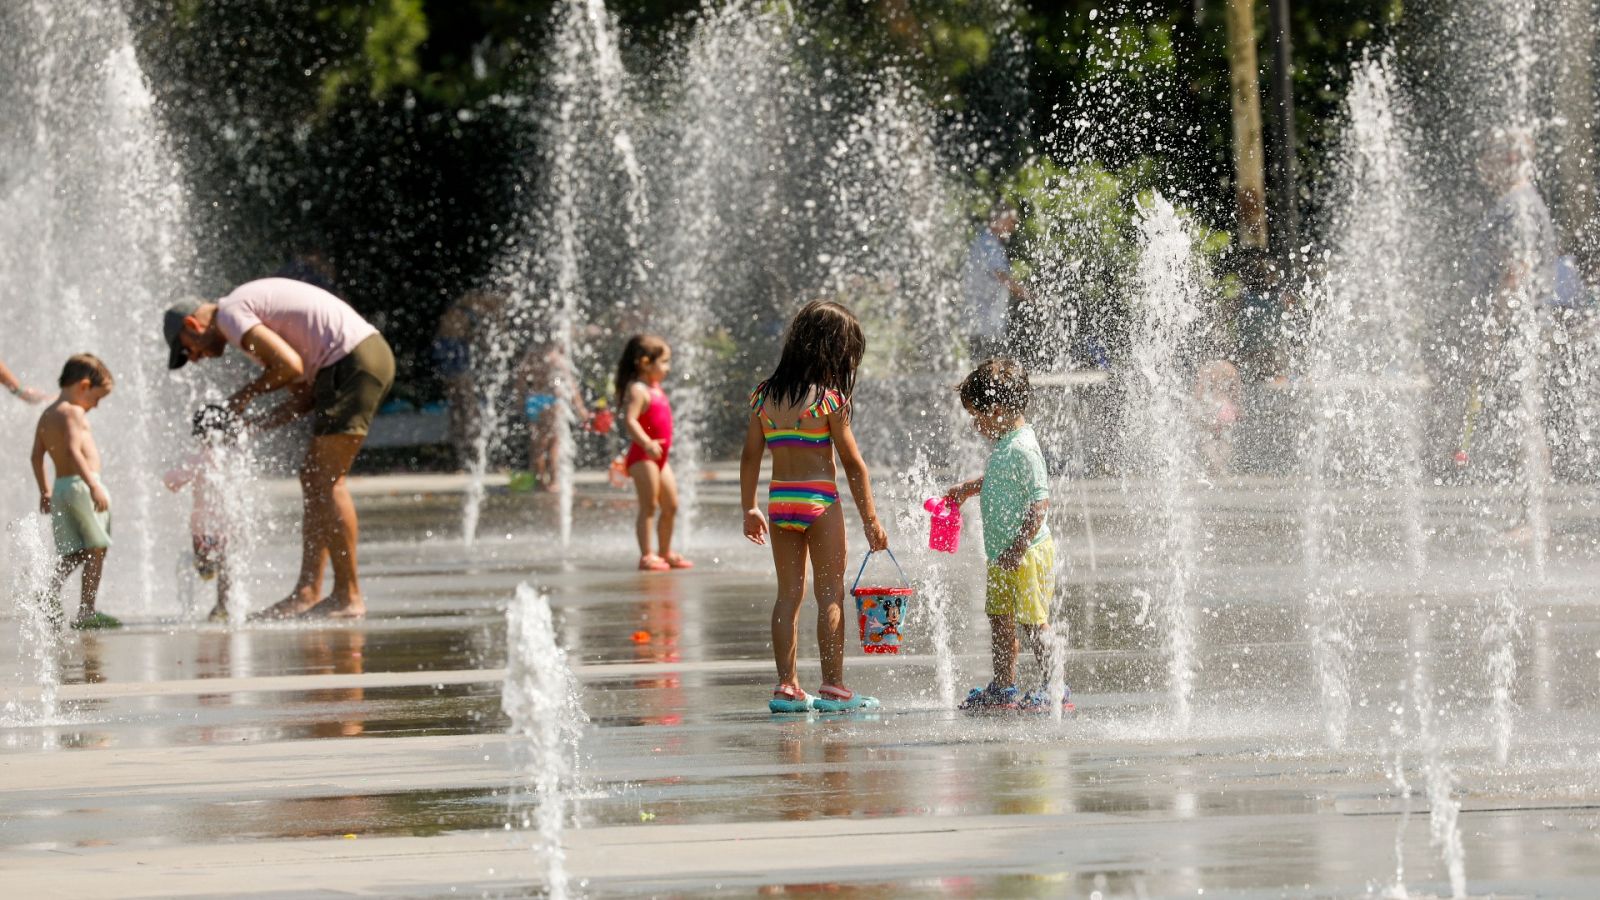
(996,385)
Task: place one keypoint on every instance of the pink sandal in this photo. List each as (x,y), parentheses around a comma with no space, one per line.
(786,698)
(676,561)
(653,563)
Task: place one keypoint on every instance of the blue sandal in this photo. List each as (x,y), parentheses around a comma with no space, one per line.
(992,697)
(1039,701)
(789,699)
(832,698)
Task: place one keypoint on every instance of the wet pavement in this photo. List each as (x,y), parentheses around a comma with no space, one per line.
(371,758)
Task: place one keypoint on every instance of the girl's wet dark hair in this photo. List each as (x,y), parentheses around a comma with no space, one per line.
(641,346)
(821,349)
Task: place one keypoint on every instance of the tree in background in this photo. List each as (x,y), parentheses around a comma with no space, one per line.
(1249,156)
(392,135)
(382,137)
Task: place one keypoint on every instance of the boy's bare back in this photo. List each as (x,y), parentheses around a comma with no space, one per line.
(63,429)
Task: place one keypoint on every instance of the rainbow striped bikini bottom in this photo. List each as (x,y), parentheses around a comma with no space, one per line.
(795,505)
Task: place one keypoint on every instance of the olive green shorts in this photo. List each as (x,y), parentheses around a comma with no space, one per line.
(346,395)
(74,522)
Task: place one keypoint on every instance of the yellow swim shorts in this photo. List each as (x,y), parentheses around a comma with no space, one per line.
(1025,591)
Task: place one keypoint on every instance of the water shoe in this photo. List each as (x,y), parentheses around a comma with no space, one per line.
(1039,702)
(94,621)
(786,698)
(833,698)
(653,563)
(993,697)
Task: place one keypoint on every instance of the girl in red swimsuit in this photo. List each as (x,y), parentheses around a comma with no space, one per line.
(647,418)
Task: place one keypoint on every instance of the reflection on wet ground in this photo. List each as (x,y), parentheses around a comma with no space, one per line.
(420,813)
(176,734)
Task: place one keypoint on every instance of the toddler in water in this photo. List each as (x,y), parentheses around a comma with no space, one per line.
(546,377)
(1217,390)
(802,414)
(647,418)
(1014,496)
(208,523)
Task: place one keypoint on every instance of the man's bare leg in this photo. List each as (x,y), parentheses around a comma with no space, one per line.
(329,532)
(313,542)
(330,457)
(313,554)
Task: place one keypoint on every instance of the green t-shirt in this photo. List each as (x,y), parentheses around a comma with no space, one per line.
(1013,481)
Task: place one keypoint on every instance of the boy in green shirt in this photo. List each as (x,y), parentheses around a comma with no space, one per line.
(1014,495)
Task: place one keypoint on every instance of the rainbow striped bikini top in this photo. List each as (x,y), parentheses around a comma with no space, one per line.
(812,429)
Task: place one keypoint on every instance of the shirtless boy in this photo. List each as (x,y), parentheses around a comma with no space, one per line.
(77,503)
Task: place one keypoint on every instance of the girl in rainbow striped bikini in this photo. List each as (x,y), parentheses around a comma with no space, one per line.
(802,414)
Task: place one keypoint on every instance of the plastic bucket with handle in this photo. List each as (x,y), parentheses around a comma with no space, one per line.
(881,609)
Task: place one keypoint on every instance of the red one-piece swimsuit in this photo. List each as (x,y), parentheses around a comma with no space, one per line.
(656,420)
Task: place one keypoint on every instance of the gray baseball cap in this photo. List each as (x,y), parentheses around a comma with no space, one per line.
(172,326)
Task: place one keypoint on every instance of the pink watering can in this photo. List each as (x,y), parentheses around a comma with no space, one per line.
(944,533)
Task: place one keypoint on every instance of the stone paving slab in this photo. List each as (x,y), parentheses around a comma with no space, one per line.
(245,769)
(1306,855)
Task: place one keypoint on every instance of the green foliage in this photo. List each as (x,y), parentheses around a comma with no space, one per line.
(393,30)
(949,41)
(1082,213)
(958,49)
(1083,46)
(1170,56)
(1329,38)
(303,129)
(389,132)
(1079,235)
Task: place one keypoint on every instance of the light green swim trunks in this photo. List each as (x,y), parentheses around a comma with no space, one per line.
(73,519)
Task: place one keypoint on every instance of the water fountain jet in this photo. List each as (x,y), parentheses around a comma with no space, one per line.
(1161,436)
(95,238)
(540,696)
(30,564)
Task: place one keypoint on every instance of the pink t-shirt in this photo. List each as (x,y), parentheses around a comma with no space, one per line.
(319,326)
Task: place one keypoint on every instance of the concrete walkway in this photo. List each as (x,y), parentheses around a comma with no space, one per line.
(372,759)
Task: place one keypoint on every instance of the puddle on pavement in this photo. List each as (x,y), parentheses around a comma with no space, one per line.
(411,813)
